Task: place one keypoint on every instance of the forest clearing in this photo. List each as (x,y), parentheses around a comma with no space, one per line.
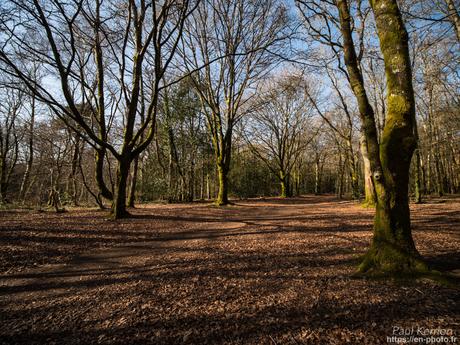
(229,172)
(263,271)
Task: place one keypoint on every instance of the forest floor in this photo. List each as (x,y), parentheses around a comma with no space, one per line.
(266,271)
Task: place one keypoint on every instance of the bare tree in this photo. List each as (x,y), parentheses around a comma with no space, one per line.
(231,40)
(281,127)
(454,17)
(99,53)
(11,103)
(329,24)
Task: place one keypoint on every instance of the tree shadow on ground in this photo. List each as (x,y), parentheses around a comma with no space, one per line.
(269,279)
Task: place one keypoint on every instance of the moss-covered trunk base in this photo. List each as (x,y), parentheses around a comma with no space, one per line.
(387,259)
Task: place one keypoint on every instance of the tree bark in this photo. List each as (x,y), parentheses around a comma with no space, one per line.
(317,177)
(222,145)
(72,179)
(369,194)
(119,202)
(454,17)
(30,147)
(132,187)
(353,171)
(418,170)
(222,174)
(393,249)
(284,185)
(340,177)
(99,161)
(208,187)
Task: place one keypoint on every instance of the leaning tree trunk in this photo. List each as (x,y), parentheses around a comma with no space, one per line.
(104,191)
(393,249)
(132,187)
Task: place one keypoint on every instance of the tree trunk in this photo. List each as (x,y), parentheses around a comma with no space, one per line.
(422,172)
(439,186)
(222,196)
(202,181)
(171,190)
(353,172)
(72,179)
(99,160)
(393,249)
(191,182)
(428,174)
(369,194)
(284,184)
(339,179)
(119,202)
(454,17)
(3,185)
(132,188)
(30,158)
(208,187)
(418,177)
(317,177)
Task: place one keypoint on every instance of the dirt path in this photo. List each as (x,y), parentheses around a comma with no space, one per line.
(259,272)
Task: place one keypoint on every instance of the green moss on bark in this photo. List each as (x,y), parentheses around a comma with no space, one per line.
(222,196)
(387,258)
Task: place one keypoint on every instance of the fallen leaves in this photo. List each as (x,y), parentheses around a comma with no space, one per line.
(254,273)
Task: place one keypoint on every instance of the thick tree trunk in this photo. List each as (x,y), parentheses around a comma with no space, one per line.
(222,175)
(119,202)
(393,249)
(284,184)
(223,167)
